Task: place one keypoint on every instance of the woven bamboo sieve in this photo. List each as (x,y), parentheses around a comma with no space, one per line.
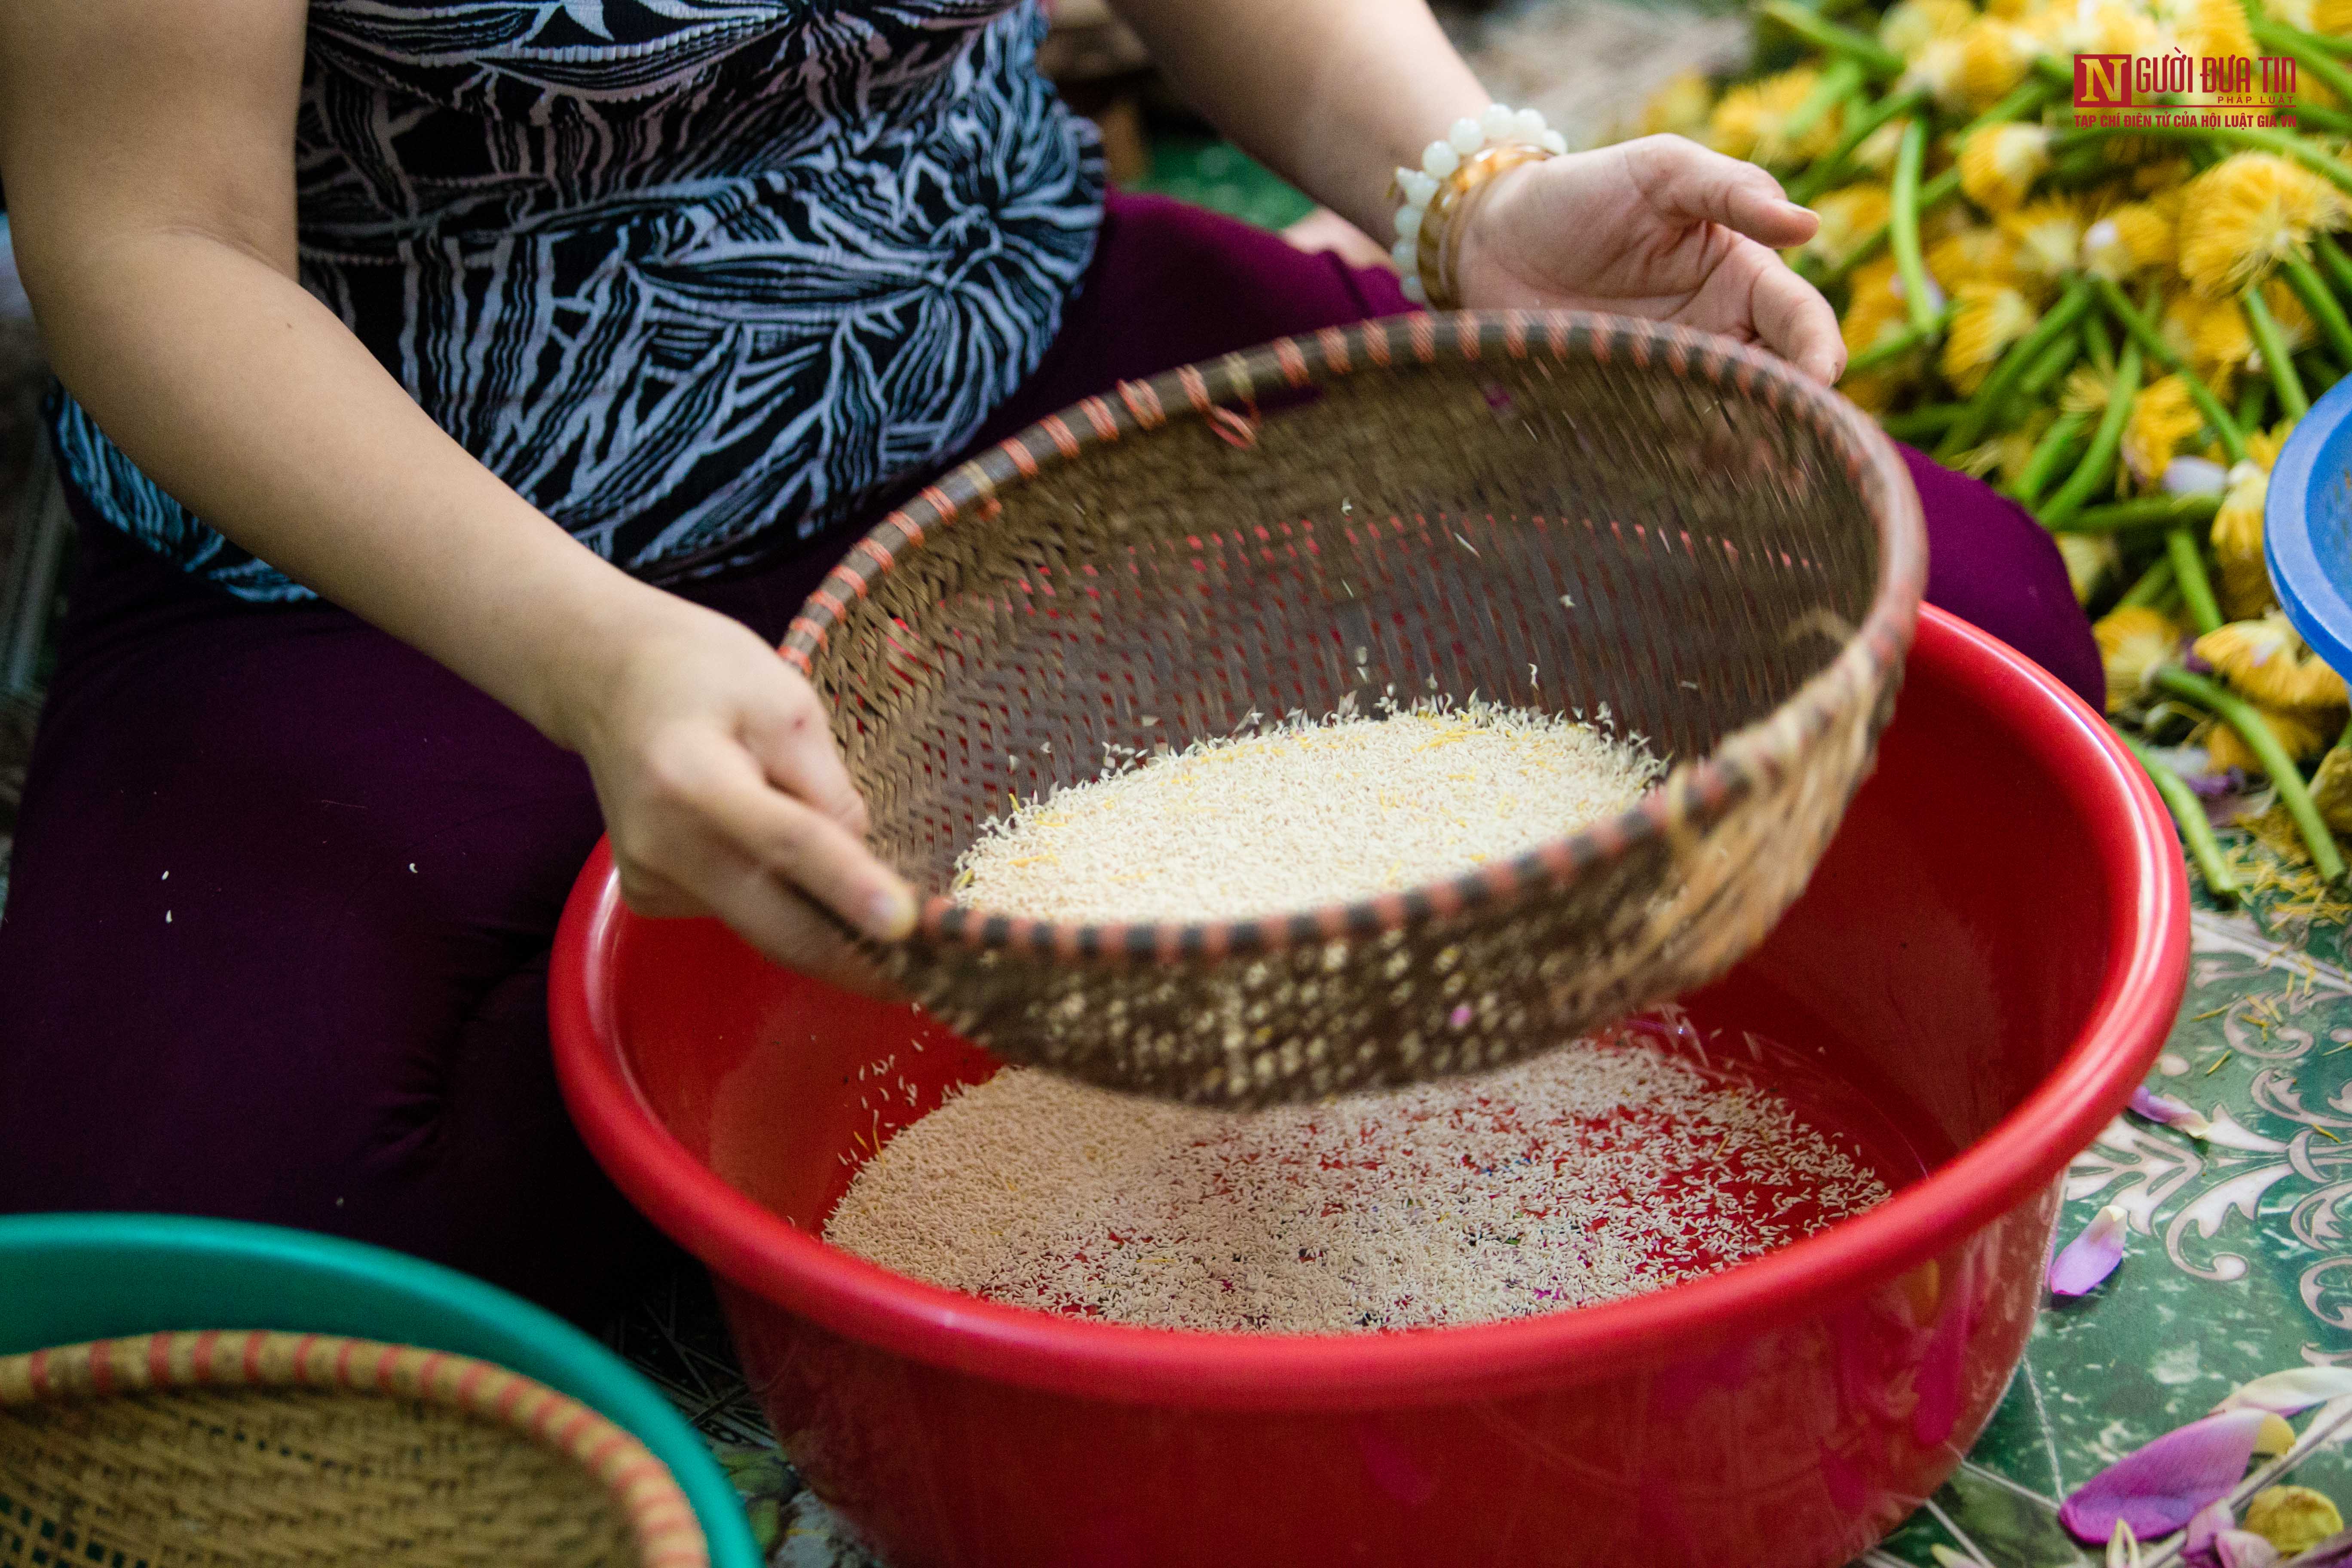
(1559,511)
(259,1450)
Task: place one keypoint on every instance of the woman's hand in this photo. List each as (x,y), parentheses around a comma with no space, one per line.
(724,795)
(1660,227)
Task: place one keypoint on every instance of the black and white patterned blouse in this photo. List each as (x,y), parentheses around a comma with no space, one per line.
(683,272)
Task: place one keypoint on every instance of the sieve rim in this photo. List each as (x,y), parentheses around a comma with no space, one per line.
(1694,795)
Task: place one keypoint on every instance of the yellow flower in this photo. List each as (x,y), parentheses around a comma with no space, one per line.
(1680,107)
(1909,25)
(2333,17)
(2298,734)
(1875,310)
(2049,237)
(1999,163)
(2162,417)
(1746,122)
(2245,581)
(1994,57)
(2217,29)
(1849,215)
(1974,256)
(2291,1519)
(2268,663)
(2210,334)
(2331,788)
(2086,391)
(1990,317)
(1876,150)
(2250,210)
(1936,67)
(2089,558)
(2132,643)
(2128,239)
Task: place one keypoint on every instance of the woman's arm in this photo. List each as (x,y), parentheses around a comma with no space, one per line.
(148,156)
(1336,94)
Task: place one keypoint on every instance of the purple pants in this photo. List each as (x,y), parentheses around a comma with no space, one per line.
(277,942)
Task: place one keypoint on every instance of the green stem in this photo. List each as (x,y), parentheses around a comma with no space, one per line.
(1829,90)
(1863,51)
(2056,361)
(2057,444)
(2295,42)
(2196,587)
(1902,344)
(2327,121)
(1903,224)
(2128,316)
(2141,511)
(2091,475)
(2102,347)
(1919,423)
(2332,262)
(2188,814)
(2022,356)
(2285,143)
(1828,168)
(2252,399)
(2276,359)
(2150,590)
(1932,195)
(2285,777)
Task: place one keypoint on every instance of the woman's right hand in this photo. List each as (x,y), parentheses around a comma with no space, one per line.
(724,794)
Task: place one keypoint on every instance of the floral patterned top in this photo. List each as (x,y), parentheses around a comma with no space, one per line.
(685,273)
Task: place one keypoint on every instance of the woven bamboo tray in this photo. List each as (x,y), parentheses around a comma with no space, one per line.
(1557,511)
(257,1451)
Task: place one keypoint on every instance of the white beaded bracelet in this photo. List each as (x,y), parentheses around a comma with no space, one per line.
(1471,153)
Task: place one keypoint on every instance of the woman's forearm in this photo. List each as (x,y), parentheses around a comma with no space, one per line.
(1333,95)
(252,404)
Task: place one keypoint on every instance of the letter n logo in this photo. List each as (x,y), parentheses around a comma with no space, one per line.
(2103,81)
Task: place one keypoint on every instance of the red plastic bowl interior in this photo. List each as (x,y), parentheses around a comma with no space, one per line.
(1997,941)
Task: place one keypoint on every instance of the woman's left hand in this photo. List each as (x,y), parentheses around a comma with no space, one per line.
(1660,227)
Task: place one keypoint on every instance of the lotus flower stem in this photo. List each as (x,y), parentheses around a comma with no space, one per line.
(2309,288)
(1903,342)
(2285,777)
(1903,225)
(2142,511)
(2022,357)
(1829,90)
(1834,38)
(1932,195)
(1919,423)
(2056,361)
(2196,587)
(1829,166)
(2295,41)
(2188,814)
(2232,440)
(2091,474)
(2057,444)
(2100,346)
(2276,359)
(2153,587)
(2253,398)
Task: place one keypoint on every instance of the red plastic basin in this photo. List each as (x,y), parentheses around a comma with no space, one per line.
(1997,941)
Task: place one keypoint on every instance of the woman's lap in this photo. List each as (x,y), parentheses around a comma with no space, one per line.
(276,940)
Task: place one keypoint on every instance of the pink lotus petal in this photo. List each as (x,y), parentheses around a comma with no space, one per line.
(2170,1113)
(2293,1391)
(2089,1257)
(2244,1548)
(2211,1521)
(2160,1488)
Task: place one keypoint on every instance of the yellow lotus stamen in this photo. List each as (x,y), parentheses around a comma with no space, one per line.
(2049,237)
(2086,391)
(2217,29)
(2127,240)
(1991,317)
(2249,211)
(1746,122)
(1999,163)
(2132,643)
(1910,26)
(2243,581)
(2162,417)
(1936,67)
(1974,255)
(2332,16)
(1876,150)
(1994,57)
(1680,107)
(2089,558)
(2268,662)
(1849,215)
(2298,734)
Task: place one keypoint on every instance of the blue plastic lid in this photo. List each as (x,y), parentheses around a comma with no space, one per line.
(2307,528)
